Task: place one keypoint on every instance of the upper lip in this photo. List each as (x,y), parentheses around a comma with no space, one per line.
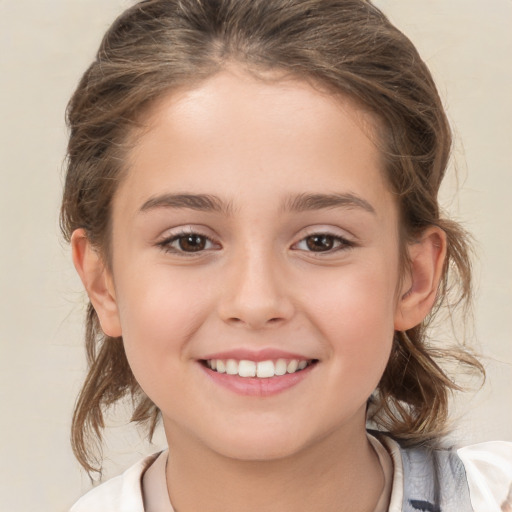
(256,355)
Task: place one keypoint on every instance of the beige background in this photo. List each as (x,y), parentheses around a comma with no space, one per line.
(45,46)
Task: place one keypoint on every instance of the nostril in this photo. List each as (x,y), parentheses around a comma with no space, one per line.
(255,323)
(256,313)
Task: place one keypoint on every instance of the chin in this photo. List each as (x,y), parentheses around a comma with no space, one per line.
(260,443)
(259,451)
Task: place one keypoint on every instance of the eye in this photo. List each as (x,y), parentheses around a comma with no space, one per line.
(187,243)
(323,242)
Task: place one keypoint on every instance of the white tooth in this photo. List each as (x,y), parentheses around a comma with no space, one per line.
(280,367)
(265,369)
(231,367)
(292,366)
(302,365)
(246,368)
(212,363)
(221,367)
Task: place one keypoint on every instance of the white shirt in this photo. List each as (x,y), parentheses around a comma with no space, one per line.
(143,487)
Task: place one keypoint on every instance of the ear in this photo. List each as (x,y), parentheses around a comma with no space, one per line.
(419,289)
(97,281)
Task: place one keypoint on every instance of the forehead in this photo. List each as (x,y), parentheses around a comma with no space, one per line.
(243,133)
(272,97)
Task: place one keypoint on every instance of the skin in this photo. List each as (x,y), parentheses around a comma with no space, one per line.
(257,284)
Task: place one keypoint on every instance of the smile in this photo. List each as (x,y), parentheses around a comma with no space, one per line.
(260,369)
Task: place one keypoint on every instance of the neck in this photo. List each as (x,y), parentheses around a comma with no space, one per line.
(338,474)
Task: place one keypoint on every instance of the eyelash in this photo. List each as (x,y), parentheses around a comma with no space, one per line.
(339,243)
(167,244)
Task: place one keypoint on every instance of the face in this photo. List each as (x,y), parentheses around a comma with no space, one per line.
(255,265)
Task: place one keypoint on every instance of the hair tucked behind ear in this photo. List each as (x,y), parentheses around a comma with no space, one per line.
(347,46)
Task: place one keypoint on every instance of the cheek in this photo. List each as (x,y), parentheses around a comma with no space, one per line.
(159,315)
(361,298)
(355,313)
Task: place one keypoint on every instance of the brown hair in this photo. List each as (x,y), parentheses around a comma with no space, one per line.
(348,46)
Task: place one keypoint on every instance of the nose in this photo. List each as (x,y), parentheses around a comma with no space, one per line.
(255,294)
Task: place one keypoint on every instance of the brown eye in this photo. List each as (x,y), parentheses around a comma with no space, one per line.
(323,242)
(192,243)
(186,243)
(320,243)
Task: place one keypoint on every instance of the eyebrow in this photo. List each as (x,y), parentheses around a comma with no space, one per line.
(298,203)
(308,202)
(200,202)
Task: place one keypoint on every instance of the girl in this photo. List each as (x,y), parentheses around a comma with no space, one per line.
(251,201)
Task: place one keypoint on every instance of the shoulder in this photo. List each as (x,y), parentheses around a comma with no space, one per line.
(489,473)
(473,478)
(122,493)
(429,479)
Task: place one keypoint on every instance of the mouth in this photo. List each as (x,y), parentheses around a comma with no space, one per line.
(266,369)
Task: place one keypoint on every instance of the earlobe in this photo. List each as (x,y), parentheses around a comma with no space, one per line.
(97,281)
(419,290)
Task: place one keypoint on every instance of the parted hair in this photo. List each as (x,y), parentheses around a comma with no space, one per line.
(347,46)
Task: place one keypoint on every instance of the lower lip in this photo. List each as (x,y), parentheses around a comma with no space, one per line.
(254,386)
